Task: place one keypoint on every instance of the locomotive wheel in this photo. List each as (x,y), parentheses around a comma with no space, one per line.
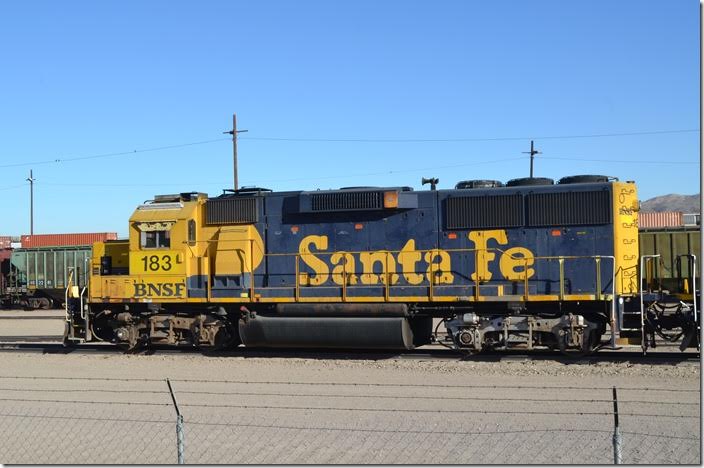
(141,344)
(578,353)
(227,337)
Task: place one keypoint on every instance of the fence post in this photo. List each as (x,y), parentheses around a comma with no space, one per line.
(617,432)
(179,438)
(179,426)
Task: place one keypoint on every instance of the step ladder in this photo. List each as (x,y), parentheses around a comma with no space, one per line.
(77,325)
(691,308)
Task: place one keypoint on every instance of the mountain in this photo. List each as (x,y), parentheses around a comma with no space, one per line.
(672,202)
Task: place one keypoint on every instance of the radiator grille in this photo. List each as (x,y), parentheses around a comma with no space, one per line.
(231,211)
(496,211)
(568,209)
(341,201)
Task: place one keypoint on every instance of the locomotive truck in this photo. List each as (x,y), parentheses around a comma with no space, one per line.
(529,264)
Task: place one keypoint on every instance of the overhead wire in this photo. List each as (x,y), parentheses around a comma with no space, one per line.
(109,155)
(13,187)
(347,176)
(344,140)
(362,140)
(627,161)
(367,174)
(450,140)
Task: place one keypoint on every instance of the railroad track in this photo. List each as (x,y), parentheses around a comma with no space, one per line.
(41,344)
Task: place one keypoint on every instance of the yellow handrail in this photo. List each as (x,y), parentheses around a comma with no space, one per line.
(430,275)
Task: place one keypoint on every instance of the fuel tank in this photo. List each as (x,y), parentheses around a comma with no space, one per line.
(335,332)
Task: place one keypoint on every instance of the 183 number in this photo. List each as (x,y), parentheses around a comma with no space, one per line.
(154,263)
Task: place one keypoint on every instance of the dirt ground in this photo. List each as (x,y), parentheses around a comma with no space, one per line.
(23,323)
(113,408)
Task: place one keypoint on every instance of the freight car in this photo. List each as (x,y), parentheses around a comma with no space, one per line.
(673,269)
(35,275)
(37,278)
(528,264)
(669,275)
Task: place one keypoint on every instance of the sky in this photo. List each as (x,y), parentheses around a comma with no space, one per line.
(110,103)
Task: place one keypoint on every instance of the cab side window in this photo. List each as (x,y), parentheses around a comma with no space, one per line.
(191,232)
(156,239)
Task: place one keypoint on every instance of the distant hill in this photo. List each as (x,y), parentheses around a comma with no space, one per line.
(672,202)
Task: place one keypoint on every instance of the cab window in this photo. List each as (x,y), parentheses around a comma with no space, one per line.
(156,239)
(191,232)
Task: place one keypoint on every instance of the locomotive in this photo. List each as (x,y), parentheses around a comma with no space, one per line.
(527,264)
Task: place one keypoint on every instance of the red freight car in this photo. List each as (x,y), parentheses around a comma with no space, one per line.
(55,240)
(648,220)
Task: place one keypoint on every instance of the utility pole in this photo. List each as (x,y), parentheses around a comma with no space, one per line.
(31,202)
(234,133)
(532,153)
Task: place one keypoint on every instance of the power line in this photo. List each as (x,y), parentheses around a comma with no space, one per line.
(450,140)
(109,155)
(344,140)
(476,163)
(621,160)
(347,176)
(13,187)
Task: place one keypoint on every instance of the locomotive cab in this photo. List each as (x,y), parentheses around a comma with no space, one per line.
(166,261)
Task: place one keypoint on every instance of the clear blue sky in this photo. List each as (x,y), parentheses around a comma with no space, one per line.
(92,78)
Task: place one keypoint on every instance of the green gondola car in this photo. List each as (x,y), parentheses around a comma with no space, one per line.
(37,277)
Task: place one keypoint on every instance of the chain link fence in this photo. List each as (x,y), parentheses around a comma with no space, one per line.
(124,421)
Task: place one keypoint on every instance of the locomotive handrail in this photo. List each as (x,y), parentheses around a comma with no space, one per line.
(490,249)
(694,286)
(477,280)
(251,269)
(526,286)
(297,290)
(644,259)
(431,290)
(387,274)
(208,283)
(68,287)
(84,290)
(612,319)
(80,302)
(693,267)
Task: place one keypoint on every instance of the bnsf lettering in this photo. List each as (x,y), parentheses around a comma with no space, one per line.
(159,289)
